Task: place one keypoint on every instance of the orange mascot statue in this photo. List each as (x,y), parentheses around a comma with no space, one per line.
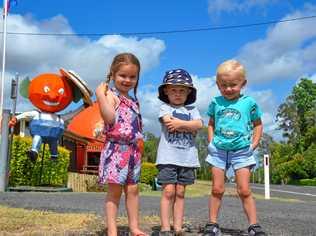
(50,93)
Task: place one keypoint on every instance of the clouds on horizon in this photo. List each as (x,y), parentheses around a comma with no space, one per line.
(35,54)
(287,52)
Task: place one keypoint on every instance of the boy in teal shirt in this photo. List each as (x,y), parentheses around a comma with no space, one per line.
(234,132)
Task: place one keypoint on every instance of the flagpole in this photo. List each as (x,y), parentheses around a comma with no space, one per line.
(4,36)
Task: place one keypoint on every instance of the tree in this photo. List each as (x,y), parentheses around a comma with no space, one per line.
(150,148)
(296,117)
(202,143)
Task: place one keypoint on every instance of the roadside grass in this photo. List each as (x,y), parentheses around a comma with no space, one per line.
(34,222)
(261,197)
(200,188)
(22,222)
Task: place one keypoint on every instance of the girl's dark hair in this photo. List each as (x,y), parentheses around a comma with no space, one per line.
(123,59)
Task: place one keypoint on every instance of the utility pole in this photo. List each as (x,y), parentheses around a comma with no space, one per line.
(4,150)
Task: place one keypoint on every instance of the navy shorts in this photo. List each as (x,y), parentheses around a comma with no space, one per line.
(172,174)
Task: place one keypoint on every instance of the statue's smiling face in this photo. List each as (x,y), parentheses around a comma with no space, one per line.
(50,92)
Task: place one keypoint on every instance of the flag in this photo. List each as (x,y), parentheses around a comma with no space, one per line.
(9,3)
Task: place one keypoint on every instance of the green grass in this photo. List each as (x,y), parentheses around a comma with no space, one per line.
(261,197)
(22,222)
(200,188)
(28,222)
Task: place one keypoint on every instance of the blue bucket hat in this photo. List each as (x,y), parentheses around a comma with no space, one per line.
(177,77)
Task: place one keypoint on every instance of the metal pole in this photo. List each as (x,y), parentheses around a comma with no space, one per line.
(4,37)
(14,88)
(14,91)
(42,163)
(266,176)
(4,150)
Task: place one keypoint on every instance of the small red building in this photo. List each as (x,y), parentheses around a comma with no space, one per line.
(84,137)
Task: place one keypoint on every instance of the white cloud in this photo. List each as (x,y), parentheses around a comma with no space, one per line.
(313,78)
(288,51)
(217,7)
(35,54)
(267,102)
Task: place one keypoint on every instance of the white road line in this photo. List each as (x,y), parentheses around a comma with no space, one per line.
(284,191)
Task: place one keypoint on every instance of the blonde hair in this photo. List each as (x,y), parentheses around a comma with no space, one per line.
(123,59)
(231,66)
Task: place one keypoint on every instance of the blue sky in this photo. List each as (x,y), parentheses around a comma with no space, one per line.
(275,55)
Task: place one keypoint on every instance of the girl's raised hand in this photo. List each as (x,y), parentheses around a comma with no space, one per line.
(102,89)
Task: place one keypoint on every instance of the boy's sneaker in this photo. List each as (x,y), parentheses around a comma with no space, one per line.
(211,229)
(256,230)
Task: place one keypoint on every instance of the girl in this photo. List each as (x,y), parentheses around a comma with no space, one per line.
(121,157)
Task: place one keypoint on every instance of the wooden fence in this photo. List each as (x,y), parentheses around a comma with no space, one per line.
(81,182)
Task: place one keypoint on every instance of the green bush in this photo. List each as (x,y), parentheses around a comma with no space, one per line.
(144,187)
(24,172)
(308,182)
(148,173)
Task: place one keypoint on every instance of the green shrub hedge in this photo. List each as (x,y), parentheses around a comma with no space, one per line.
(148,173)
(24,172)
(308,182)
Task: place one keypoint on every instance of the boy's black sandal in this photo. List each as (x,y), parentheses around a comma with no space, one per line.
(256,230)
(211,229)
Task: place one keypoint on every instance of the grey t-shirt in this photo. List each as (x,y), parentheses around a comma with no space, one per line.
(178,148)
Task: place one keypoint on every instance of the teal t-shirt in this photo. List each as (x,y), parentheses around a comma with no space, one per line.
(233,121)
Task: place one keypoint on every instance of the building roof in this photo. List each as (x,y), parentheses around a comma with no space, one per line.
(88,123)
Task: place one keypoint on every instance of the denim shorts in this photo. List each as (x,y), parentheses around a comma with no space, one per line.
(224,159)
(172,174)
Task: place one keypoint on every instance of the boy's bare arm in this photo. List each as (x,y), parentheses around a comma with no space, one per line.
(175,124)
(257,133)
(210,130)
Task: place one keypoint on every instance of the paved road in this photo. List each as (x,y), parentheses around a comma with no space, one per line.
(277,216)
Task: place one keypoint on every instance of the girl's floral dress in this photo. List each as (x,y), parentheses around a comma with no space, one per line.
(120,160)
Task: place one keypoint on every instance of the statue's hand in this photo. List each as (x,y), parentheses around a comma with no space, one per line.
(12,122)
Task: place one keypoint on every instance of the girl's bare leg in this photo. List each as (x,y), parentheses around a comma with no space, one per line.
(111,206)
(132,207)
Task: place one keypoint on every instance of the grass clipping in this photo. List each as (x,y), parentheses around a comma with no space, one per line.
(28,222)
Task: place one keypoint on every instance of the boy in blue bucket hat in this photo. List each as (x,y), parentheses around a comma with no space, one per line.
(177,155)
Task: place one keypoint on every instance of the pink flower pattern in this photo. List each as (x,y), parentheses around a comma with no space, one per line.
(120,159)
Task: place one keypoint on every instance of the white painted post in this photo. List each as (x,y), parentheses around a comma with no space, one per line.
(266,165)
